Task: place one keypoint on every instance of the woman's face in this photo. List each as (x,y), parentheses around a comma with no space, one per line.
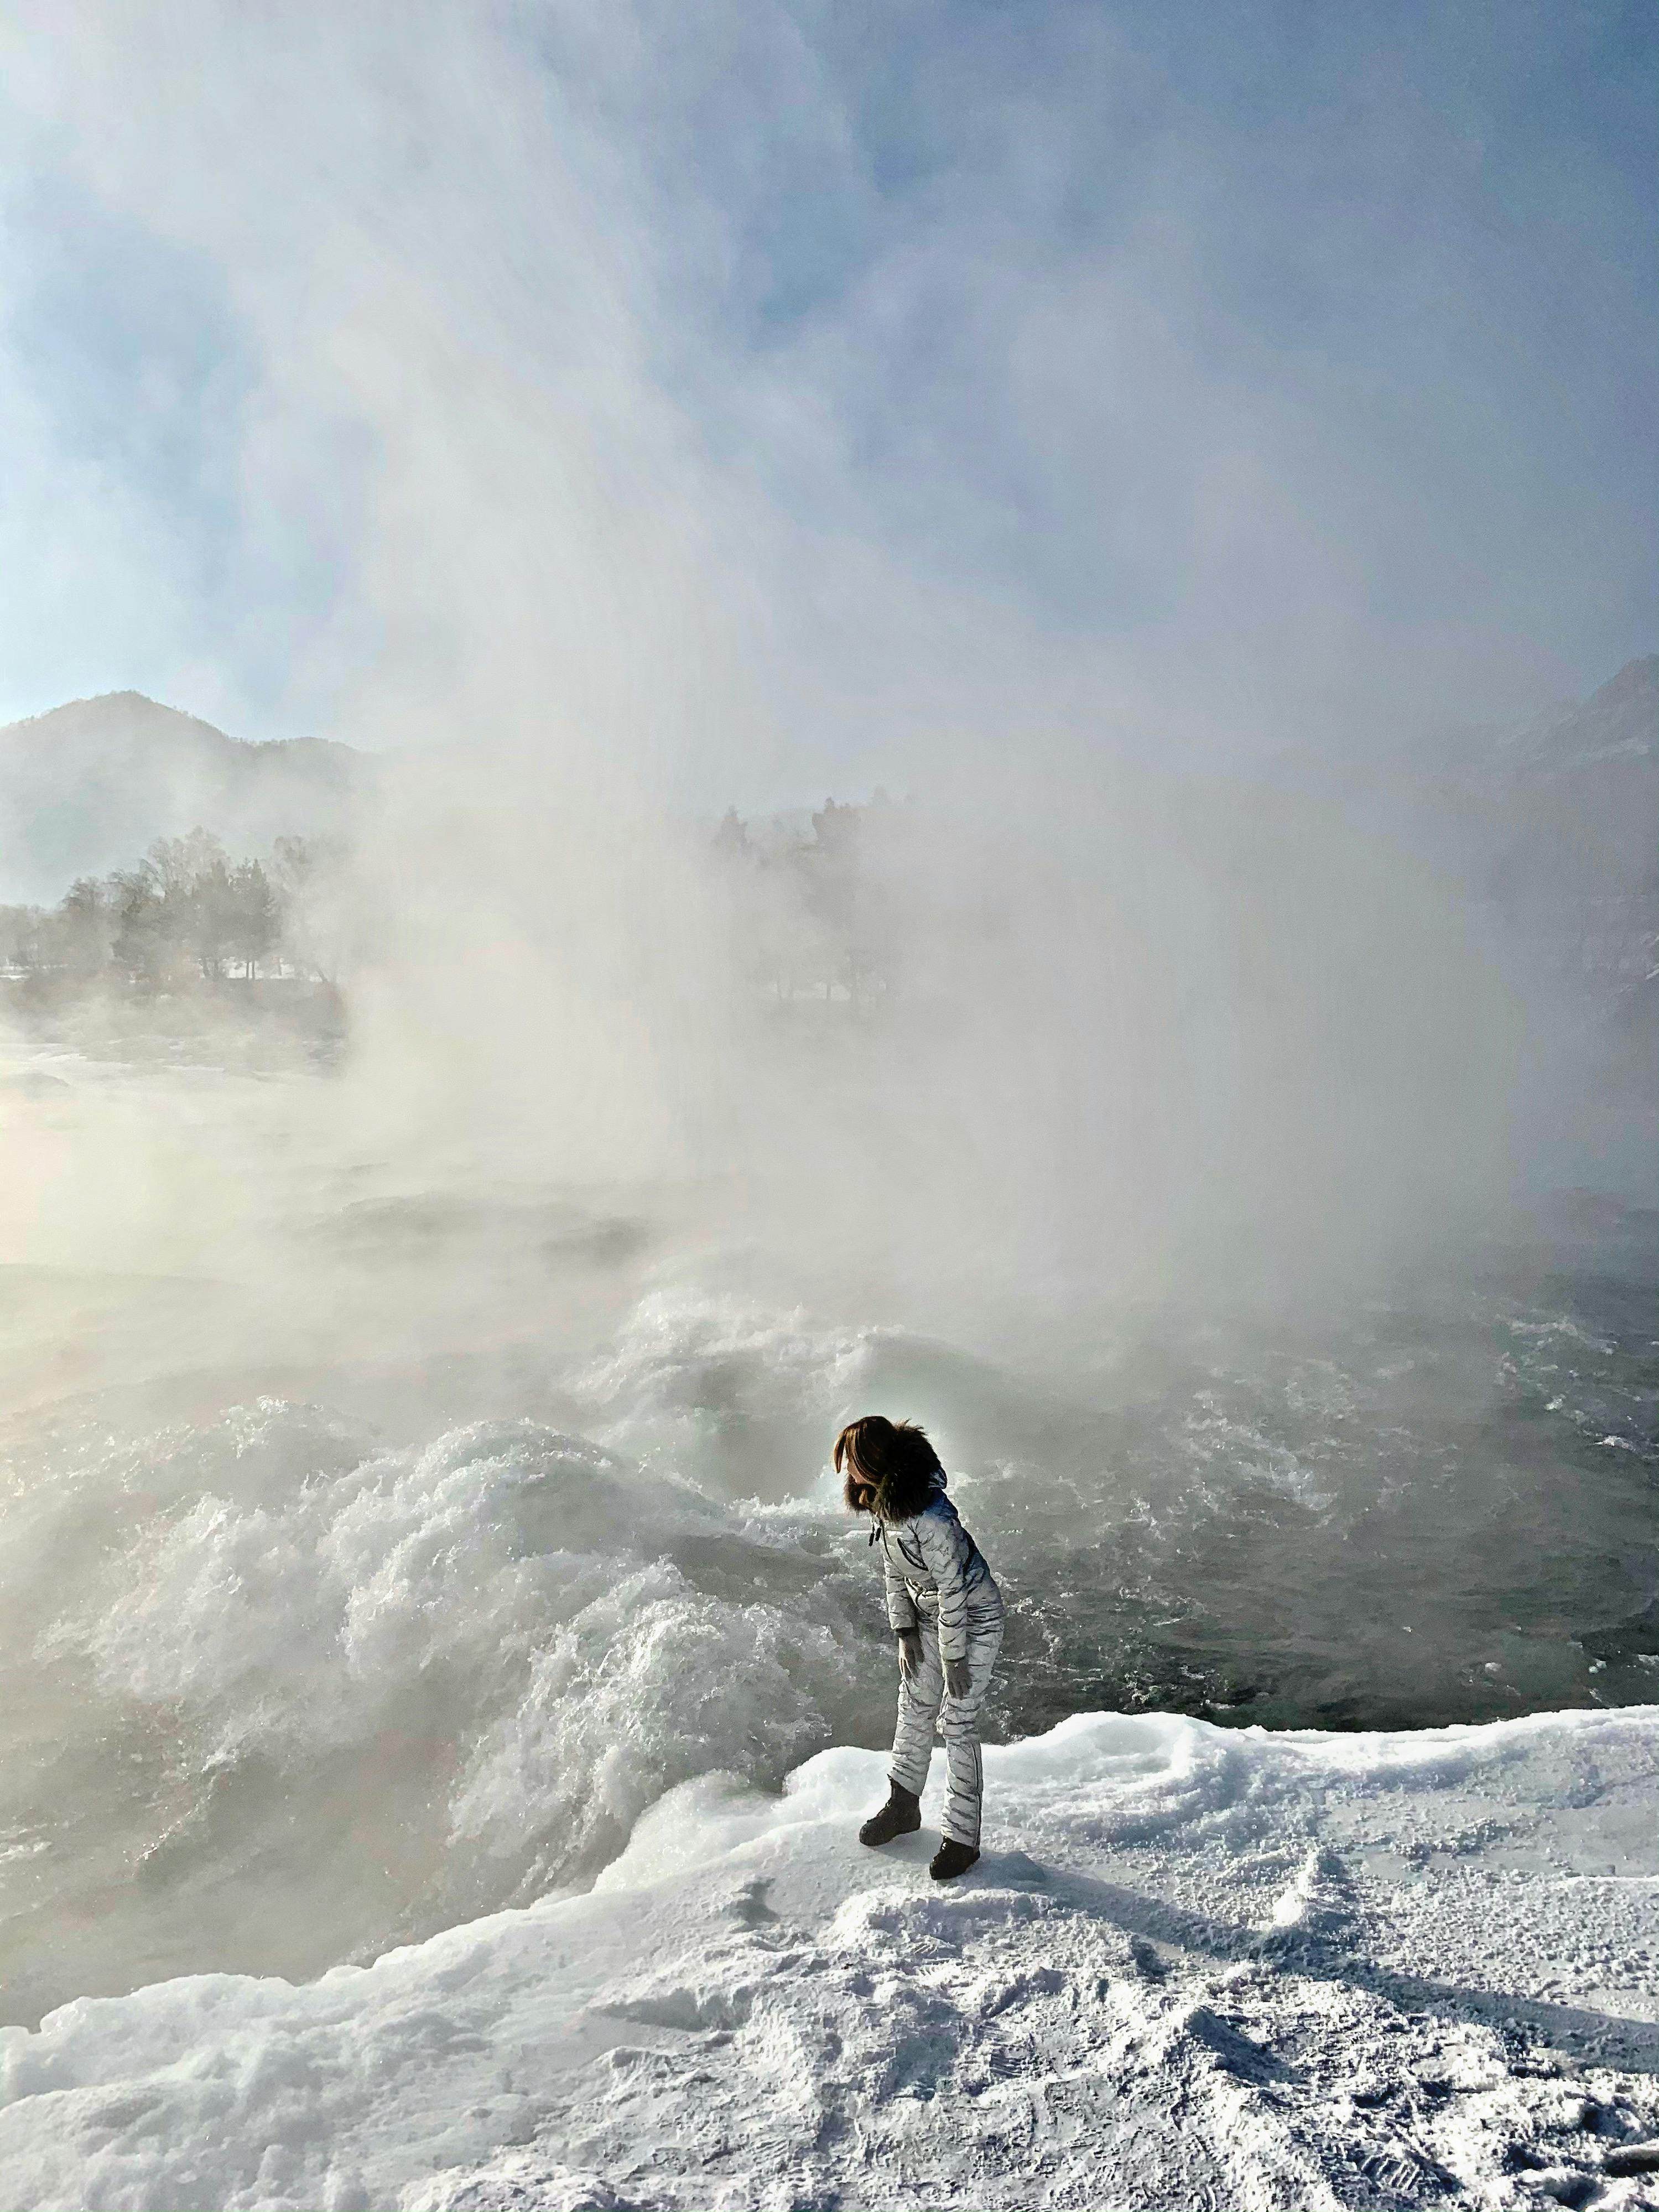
(864,1493)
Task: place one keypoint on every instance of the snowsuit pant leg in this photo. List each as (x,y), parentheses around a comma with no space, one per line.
(922,1703)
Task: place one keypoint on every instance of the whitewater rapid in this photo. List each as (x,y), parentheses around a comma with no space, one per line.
(284,1689)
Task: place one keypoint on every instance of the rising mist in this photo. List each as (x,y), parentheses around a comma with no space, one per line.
(606,418)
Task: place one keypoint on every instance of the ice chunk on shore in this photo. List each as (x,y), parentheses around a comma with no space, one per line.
(751,2009)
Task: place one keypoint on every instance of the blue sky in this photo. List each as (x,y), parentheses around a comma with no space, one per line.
(779,388)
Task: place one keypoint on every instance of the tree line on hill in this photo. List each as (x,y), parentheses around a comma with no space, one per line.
(836,917)
(186,914)
(811,918)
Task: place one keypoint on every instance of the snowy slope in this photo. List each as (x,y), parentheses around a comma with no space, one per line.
(1196,1967)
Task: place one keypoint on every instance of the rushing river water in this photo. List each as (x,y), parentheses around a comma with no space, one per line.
(306,1655)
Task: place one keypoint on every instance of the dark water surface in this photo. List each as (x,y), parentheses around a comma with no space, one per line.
(1415,1514)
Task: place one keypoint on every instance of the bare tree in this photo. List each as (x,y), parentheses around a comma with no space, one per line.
(255,916)
(317,920)
(150,926)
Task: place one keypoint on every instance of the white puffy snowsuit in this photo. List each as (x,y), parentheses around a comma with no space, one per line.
(938,1583)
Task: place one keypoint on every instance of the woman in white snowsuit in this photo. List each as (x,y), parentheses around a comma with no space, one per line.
(944,1608)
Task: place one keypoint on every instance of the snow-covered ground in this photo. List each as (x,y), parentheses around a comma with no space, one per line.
(1195,1967)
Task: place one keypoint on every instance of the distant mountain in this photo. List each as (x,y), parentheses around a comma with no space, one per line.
(1548,829)
(1555,824)
(1585,773)
(85,788)
(1620,722)
(1570,801)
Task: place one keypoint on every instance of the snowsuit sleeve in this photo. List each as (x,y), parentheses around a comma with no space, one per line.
(901,1606)
(945,1548)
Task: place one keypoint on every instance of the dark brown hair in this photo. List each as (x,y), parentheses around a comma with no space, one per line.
(890,1466)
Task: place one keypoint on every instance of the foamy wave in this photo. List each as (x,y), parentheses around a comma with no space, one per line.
(519,1636)
(745,1396)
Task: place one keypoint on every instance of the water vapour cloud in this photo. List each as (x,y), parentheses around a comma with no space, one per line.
(862,376)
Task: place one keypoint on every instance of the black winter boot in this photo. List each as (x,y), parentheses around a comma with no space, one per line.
(900,1816)
(951,1859)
